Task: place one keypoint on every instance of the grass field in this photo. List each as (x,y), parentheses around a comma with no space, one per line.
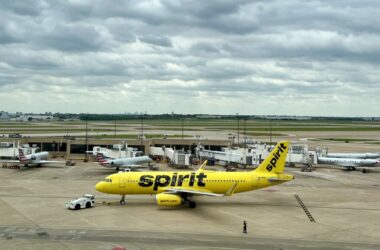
(251,127)
(130,136)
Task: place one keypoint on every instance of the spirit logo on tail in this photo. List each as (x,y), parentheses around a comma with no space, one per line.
(276,156)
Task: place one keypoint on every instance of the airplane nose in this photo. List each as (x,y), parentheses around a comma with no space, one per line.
(99,186)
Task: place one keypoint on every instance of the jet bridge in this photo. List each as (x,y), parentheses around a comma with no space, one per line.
(116,151)
(9,150)
(176,157)
(253,154)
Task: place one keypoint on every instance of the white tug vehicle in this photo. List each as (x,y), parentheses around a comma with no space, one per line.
(86,201)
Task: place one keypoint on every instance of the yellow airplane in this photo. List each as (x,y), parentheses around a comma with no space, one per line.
(176,188)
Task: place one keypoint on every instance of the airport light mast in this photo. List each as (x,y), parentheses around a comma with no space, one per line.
(270,131)
(114,134)
(238,127)
(86,158)
(182,128)
(142,129)
(245,133)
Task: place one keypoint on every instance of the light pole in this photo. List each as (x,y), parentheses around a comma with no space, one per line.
(142,129)
(182,128)
(270,131)
(114,134)
(238,127)
(245,133)
(86,138)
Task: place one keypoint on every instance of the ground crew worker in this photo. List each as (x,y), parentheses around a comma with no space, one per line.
(244,227)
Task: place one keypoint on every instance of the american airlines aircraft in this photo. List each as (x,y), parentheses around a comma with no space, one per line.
(349,163)
(126,163)
(36,159)
(355,155)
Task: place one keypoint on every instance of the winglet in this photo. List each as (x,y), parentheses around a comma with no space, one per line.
(201,168)
(231,190)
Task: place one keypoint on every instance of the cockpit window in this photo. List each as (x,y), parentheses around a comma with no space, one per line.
(108,180)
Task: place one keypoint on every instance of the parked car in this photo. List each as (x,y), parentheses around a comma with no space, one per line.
(86,201)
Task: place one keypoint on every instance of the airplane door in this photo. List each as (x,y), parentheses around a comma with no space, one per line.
(122,181)
(125,184)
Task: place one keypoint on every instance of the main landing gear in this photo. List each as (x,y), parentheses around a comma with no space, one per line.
(122,201)
(351,169)
(191,203)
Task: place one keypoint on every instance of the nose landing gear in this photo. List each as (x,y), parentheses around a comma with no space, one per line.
(122,201)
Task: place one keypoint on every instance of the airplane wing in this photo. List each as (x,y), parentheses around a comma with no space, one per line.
(133,166)
(45,162)
(346,165)
(10,161)
(191,191)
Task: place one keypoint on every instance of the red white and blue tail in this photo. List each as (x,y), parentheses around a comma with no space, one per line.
(102,161)
(21,156)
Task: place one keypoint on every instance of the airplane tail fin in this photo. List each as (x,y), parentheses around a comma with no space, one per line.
(275,162)
(100,157)
(21,156)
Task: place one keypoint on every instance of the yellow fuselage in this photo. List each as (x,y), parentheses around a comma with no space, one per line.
(205,181)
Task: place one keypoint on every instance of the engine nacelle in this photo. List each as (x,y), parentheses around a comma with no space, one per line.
(33,157)
(168,200)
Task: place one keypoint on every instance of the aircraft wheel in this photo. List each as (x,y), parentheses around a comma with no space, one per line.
(353,168)
(122,201)
(77,207)
(192,204)
(117,169)
(364,170)
(88,205)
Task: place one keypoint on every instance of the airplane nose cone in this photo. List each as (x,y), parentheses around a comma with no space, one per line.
(99,186)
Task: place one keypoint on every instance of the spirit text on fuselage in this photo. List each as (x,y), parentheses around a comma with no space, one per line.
(174,181)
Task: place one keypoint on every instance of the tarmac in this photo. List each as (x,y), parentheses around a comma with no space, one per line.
(344,205)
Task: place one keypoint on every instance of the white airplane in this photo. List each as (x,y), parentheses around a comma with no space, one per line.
(126,163)
(36,159)
(349,163)
(355,155)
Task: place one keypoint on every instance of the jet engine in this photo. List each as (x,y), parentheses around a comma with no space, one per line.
(168,200)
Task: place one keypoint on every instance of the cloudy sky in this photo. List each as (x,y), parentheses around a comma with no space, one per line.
(221,57)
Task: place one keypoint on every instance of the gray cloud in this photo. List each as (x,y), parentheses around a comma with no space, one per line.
(28,8)
(191,57)
(157,40)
